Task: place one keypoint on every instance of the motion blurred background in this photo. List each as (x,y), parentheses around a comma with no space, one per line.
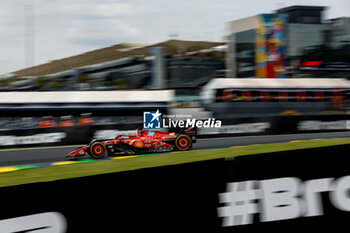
(92,67)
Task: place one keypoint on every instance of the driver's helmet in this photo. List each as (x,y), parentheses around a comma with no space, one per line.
(140,132)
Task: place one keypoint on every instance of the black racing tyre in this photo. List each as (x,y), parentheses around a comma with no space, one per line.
(98,150)
(183,142)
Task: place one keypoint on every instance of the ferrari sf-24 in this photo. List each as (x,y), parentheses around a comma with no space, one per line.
(146,141)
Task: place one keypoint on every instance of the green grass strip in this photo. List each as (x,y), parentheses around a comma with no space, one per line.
(88,167)
(21,167)
(85,161)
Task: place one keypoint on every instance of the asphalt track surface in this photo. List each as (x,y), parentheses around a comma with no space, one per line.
(14,157)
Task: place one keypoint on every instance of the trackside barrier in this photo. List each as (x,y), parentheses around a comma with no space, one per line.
(278,125)
(63,136)
(273,192)
(230,127)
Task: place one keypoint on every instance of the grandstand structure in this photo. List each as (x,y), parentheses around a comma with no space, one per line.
(21,109)
(257,97)
(126,66)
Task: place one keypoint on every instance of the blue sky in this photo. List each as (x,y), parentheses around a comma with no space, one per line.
(64,28)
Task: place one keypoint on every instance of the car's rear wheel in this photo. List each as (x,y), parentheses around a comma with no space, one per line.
(98,150)
(183,142)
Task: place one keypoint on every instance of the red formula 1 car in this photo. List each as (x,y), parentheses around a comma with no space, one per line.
(146,141)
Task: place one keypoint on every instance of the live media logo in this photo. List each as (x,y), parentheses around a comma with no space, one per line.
(152,120)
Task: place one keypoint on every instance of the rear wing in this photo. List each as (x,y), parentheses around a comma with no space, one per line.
(191,132)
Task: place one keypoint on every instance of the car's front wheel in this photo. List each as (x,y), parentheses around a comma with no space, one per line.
(98,150)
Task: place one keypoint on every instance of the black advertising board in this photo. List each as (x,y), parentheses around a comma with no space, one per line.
(58,136)
(293,190)
(278,125)
(164,198)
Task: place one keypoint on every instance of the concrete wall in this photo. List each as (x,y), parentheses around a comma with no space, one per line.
(300,36)
(341,31)
(234,27)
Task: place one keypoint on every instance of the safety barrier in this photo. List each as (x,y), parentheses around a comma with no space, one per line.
(232,127)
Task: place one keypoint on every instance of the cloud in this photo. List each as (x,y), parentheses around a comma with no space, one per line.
(65,28)
(69,27)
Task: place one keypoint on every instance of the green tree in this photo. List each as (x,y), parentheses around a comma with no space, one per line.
(41,82)
(5,82)
(84,78)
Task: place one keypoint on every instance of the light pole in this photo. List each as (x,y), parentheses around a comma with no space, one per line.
(29,33)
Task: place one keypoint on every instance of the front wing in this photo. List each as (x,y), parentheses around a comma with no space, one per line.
(120,149)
